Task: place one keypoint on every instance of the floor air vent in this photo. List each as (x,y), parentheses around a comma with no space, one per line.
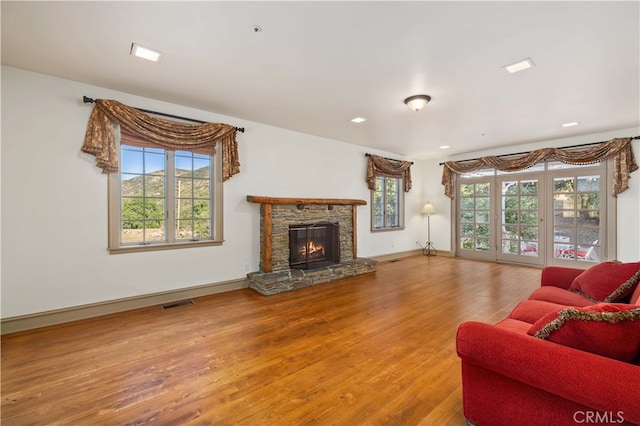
(177,304)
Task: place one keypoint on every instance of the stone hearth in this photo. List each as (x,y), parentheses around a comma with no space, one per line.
(293,279)
(276,214)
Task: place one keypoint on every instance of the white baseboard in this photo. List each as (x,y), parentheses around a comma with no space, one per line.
(59,316)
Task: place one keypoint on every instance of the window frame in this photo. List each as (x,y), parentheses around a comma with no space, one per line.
(115,245)
(400,205)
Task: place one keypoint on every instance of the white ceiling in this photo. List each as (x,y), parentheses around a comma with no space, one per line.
(316,65)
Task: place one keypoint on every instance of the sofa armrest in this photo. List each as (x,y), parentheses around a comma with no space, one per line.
(559,276)
(592,380)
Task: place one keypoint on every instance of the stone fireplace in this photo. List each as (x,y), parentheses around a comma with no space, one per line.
(291,231)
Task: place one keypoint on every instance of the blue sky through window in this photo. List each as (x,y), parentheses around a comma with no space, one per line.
(136,161)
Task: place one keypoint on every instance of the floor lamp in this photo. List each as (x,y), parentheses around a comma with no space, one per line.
(428,250)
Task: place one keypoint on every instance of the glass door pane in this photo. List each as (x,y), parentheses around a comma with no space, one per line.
(519,220)
(474,220)
(577,217)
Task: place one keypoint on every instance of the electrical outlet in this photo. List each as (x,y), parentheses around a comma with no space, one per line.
(246,267)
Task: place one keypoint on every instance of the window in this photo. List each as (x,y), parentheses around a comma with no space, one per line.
(387,204)
(164,199)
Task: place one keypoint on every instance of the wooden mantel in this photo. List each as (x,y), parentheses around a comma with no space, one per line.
(302,201)
(267,221)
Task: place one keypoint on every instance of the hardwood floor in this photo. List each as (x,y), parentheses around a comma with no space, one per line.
(378,349)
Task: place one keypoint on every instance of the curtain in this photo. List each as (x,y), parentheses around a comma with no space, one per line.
(620,149)
(100,138)
(380,166)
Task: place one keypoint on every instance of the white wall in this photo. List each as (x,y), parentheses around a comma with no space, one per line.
(54,201)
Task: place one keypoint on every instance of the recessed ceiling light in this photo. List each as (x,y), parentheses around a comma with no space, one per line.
(358,120)
(445,147)
(573,123)
(144,52)
(519,66)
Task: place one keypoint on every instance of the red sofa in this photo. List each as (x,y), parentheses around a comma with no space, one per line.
(554,360)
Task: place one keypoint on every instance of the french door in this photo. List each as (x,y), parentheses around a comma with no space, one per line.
(476,227)
(551,215)
(519,219)
(579,216)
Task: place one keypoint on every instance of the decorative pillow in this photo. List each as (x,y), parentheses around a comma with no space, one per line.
(635,297)
(607,329)
(607,281)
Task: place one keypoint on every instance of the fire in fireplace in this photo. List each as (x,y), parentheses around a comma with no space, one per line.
(314,245)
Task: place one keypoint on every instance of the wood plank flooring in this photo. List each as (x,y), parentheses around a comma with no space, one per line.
(377,349)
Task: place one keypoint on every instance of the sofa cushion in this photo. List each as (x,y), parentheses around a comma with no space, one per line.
(531,311)
(560,296)
(607,329)
(559,276)
(520,327)
(608,281)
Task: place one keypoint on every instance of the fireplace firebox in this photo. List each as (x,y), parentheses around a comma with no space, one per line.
(314,245)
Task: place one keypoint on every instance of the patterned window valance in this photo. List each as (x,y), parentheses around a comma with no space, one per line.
(100,139)
(620,149)
(380,166)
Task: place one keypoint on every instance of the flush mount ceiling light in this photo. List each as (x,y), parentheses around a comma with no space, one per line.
(144,52)
(417,102)
(358,120)
(519,66)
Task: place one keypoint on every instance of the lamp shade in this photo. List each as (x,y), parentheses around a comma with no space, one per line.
(428,209)
(417,102)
